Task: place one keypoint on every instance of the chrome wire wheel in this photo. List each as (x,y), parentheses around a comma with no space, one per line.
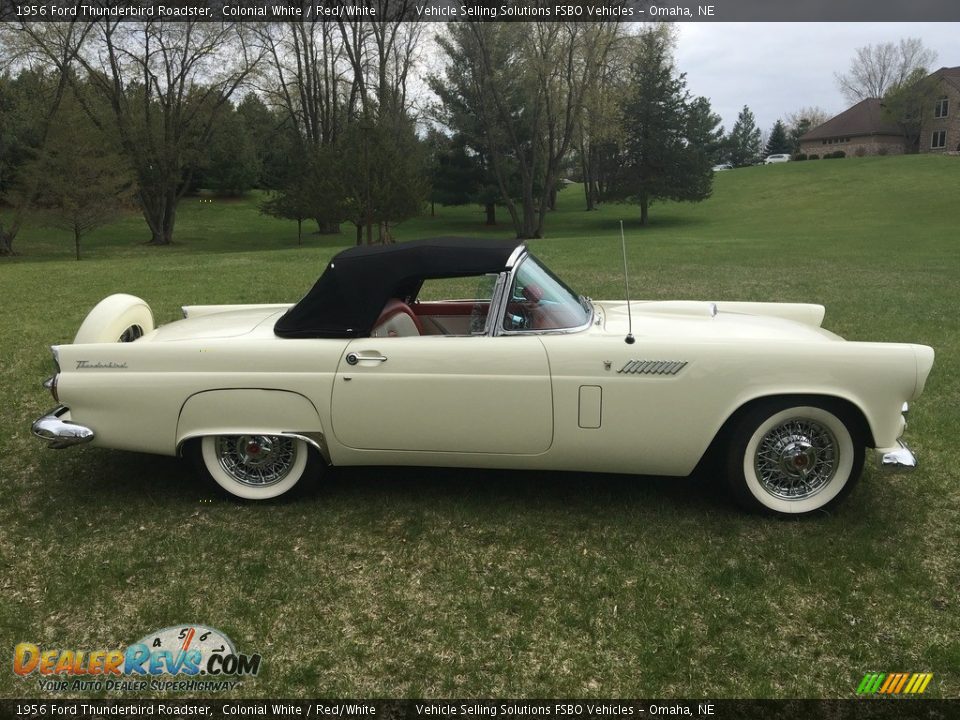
(792,458)
(256,460)
(796,459)
(132,333)
(255,467)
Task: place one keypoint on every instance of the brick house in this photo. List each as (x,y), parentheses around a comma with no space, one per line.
(941,129)
(863,130)
(860,130)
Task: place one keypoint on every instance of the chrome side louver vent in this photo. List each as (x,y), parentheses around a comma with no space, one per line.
(652,367)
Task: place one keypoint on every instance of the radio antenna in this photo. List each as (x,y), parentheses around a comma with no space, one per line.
(630,340)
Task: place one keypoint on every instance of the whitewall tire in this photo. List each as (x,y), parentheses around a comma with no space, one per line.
(255,467)
(794,459)
(116,318)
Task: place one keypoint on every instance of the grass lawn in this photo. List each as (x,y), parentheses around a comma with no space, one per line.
(424,583)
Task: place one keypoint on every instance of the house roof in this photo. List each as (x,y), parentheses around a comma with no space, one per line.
(951,75)
(347,299)
(864,118)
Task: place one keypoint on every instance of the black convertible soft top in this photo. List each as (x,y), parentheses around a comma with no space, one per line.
(348,298)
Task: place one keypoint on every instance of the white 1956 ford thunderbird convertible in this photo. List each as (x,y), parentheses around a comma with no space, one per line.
(526,374)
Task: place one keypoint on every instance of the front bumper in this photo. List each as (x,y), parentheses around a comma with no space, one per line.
(59,431)
(897,459)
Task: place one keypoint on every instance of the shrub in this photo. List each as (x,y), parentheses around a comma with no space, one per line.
(813,156)
(800,156)
(835,155)
(860,151)
(882,150)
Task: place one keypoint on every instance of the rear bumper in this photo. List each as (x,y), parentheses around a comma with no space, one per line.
(59,431)
(896,459)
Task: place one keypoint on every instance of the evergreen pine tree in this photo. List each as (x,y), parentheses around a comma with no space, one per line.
(778,143)
(663,156)
(744,139)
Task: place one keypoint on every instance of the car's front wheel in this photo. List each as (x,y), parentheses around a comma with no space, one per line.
(256,467)
(794,459)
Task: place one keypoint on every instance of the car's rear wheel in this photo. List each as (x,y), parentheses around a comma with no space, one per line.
(256,467)
(794,459)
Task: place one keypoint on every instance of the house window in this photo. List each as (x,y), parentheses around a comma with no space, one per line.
(939,139)
(942,107)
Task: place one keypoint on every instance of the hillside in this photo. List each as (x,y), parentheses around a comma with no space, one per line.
(876,200)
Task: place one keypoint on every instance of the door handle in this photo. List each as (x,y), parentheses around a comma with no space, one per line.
(353,358)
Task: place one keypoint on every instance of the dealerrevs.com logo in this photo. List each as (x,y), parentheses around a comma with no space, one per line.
(178,658)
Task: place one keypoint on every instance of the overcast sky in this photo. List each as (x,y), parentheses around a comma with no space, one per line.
(777,68)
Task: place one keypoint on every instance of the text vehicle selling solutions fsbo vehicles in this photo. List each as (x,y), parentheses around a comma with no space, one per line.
(523,373)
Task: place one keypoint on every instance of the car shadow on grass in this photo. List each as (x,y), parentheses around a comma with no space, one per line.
(132,479)
(509,491)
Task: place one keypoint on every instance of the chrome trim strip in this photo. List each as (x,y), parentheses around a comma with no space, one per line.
(48,383)
(905,410)
(498,304)
(316,439)
(551,331)
(498,328)
(313,438)
(183,311)
(514,258)
(60,433)
(495,301)
(898,460)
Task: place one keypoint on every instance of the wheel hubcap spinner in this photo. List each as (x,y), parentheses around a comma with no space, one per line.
(256,460)
(796,459)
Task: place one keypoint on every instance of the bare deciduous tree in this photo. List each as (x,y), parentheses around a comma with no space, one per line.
(599,127)
(157,87)
(812,116)
(876,69)
(34,44)
(382,53)
(328,78)
(307,77)
(802,121)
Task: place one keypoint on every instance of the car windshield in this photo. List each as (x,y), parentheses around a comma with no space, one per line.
(539,300)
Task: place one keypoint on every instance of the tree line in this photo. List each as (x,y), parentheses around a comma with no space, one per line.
(105,116)
(327,117)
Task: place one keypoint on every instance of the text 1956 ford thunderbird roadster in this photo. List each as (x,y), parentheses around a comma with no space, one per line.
(525,374)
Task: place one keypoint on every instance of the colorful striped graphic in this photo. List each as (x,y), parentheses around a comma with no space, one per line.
(894,683)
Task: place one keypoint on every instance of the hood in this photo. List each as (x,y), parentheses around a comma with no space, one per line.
(699,320)
(225,324)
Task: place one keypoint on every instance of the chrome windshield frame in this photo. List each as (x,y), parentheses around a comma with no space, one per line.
(500,303)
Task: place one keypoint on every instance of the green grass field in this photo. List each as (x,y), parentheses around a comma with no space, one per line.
(429,583)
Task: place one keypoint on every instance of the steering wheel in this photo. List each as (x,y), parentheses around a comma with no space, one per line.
(518,316)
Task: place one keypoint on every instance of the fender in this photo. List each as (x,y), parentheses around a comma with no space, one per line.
(245,411)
